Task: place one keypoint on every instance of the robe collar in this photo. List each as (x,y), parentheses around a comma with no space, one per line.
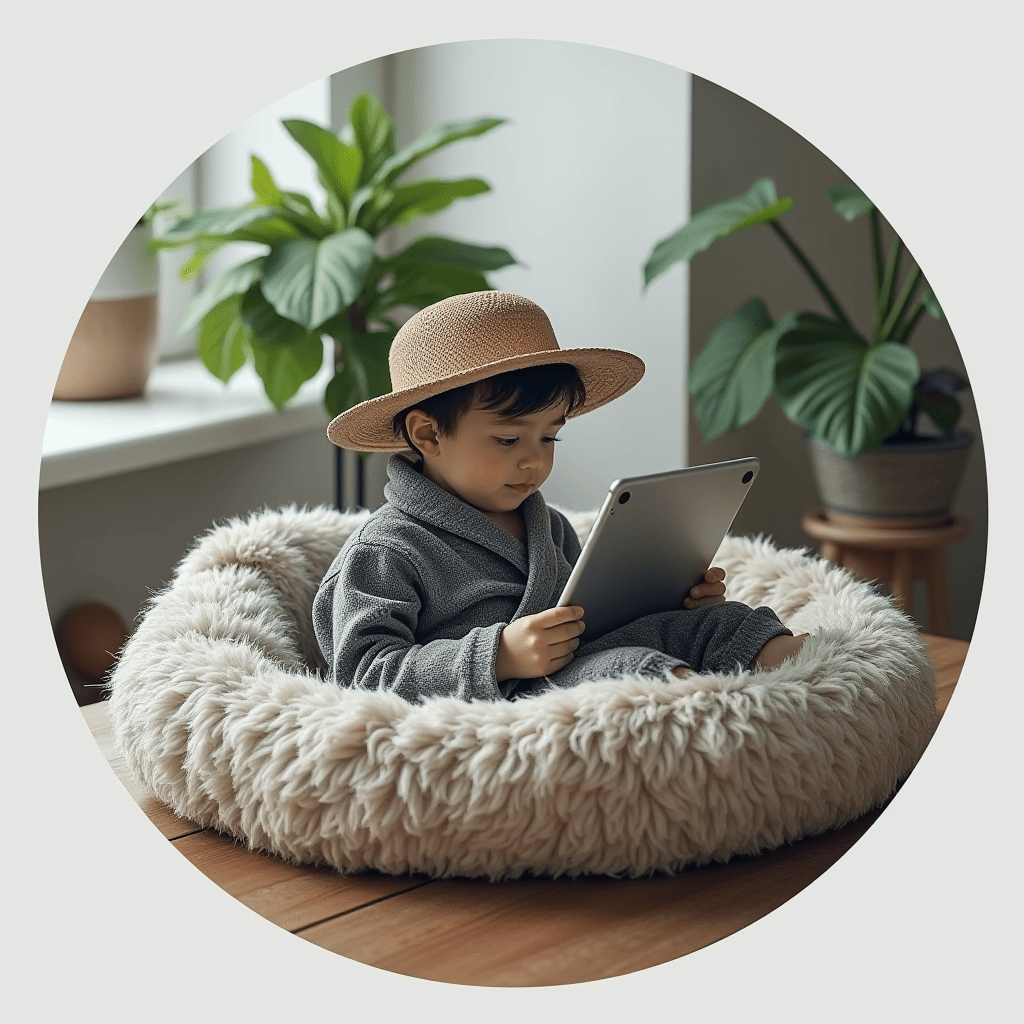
(416,495)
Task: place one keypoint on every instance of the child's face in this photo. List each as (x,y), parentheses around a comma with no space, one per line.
(492,462)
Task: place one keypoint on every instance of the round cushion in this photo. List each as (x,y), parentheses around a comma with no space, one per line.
(219,706)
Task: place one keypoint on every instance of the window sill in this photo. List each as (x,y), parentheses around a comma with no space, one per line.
(185,412)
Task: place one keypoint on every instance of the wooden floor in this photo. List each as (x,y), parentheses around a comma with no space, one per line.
(523,932)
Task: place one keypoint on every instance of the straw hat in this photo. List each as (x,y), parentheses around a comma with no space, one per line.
(464,339)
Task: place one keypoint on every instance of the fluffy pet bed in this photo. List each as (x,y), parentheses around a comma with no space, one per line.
(218,707)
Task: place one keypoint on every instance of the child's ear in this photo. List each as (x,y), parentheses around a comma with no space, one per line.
(423,432)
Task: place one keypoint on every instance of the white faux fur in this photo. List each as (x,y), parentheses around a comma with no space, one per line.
(218,708)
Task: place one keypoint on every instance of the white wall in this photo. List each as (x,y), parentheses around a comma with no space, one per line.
(592,171)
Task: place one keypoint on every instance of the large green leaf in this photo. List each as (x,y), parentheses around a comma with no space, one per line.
(292,206)
(366,204)
(190,269)
(842,391)
(434,268)
(450,253)
(432,139)
(222,338)
(310,281)
(849,202)
(268,232)
(734,375)
(758,205)
(285,368)
(339,165)
(373,131)
(233,281)
(299,203)
(367,207)
(423,284)
(363,371)
(263,185)
(228,224)
(337,217)
(264,321)
(407,202)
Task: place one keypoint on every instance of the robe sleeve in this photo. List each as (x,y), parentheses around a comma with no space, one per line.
(365,617)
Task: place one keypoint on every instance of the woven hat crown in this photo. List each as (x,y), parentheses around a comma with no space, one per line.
(467,331)
(464,339)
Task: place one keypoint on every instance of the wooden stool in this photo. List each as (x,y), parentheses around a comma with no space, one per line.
(894,555)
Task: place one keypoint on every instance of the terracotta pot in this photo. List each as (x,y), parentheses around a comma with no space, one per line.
(908,484)
(115,344)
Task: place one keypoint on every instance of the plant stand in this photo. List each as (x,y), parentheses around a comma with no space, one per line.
(896,556)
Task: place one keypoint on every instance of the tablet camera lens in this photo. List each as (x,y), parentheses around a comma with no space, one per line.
(747,477)
(623,497)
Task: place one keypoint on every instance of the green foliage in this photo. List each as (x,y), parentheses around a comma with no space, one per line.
(309,280)
(734,375)
(842,389)
(285,368)
(233,281)
(223,338)
(758,205)
(364,373)
(321,275)
(160,206)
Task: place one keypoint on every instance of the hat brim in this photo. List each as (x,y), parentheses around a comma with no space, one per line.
(606,373)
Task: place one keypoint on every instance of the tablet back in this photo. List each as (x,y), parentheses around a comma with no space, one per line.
(653,540)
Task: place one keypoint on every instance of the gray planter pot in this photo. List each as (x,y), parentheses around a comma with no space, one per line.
(913,484)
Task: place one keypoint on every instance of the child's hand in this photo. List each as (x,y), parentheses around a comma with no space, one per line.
(537,645)
(711,591)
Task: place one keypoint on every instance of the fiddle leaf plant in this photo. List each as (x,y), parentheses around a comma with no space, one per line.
(844,389)
(321,275)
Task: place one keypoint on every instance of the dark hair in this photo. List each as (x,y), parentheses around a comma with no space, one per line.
(512,394)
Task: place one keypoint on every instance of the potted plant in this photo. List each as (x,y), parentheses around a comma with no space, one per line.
(858,399)
(114,346)
(322,275)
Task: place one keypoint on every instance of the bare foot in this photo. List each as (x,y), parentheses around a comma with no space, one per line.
(778,650)
(682,671)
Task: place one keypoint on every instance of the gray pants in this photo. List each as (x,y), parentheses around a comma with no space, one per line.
(718,638)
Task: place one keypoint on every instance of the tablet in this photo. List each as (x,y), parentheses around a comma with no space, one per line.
(653,540)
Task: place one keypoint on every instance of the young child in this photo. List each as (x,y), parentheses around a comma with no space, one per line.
(448,588)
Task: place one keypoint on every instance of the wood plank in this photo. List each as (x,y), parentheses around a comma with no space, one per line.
(559,931)
(290,895)
(948,657)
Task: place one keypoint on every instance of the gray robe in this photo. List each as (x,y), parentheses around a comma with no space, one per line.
(416,600)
